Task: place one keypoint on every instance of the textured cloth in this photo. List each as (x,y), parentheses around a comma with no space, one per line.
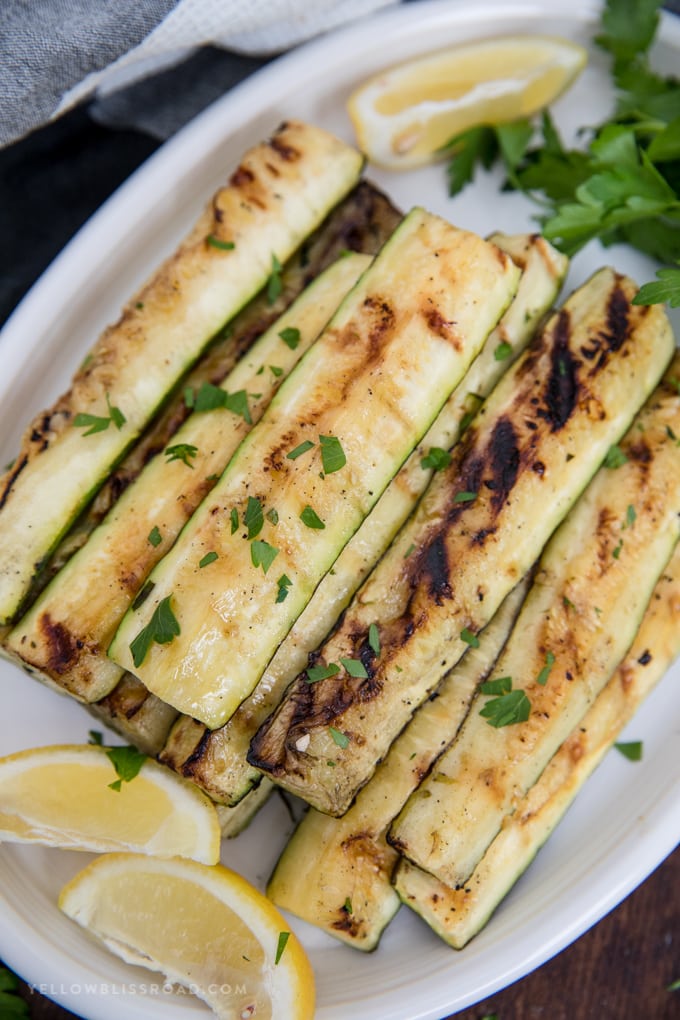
(55,53)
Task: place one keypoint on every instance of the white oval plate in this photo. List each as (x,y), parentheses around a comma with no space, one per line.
(628,817)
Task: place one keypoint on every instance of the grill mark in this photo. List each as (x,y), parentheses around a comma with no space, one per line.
(191,765)
(62,648)
(504,462)
(11,478)
(287,152)
(561,388)
(618,318)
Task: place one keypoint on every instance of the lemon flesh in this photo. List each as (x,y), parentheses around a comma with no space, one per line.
(61,796)
(403,116)
(205,928)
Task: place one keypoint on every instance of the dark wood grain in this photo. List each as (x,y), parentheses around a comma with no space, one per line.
(619,970)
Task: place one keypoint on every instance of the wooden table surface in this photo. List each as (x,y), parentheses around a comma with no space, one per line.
(619,970)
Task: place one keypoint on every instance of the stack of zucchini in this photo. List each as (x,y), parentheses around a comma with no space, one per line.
(337,506)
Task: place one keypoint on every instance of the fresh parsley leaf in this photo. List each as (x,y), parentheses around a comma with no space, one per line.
(233,518)
(181,451)
(436,458)
(262,554)
(253,517)
(272,516)
(332,454)
(616,552)
(507,709)
(631,516)
(311,519)
(478,145)
(209,558)
(316,673)
(290,336)
(275,282)
(127,761)
(301,448)
(210,397)
(631,749)
(341,739)
(96,737)
(162,628)
(281,945)
(666,288)
(497,687)
(464,497)
(154,537)
(115,413)
(347,905)
(92,422)
(628,28)
(355,668)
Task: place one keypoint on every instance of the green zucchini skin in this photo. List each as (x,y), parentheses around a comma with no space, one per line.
(593,584)
(64,637)
(216,760)
(458,914)
(344,886)
(280,192)
(528,455)
(373,381)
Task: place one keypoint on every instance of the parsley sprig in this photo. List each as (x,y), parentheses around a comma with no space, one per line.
(623,183)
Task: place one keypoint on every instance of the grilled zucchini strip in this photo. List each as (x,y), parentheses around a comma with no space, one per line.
(142,718)
(345,885)
(361,222)
(349,414)
(456,915)
(593,585)
(280,192)
(216,760)
(522,464)
(64,637)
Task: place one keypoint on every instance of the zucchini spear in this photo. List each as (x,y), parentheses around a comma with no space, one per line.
(63,639)
(592,587)
(531,451)
(344,886)
(308,473)
(216,760)
(457,914)
(280,192)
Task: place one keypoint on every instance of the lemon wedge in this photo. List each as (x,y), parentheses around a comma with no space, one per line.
(205,928)
(403,116)
(61,796)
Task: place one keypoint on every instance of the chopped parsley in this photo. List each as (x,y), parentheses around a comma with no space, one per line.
(332,454)
(631,516)
(505,706)
(262,554)
(542,677)
(162,628)
(615,458)
(210,397)
(275,282)
(276,371)
(281,945)
(253,518)
(283,584)
(311,519)
(464,497)
(374,638)
(233,517)
(290,336)
(503,351)
(95,423)
(127,761)
(469,638)
(339,738)
(209,558)
(272,516)
(436,458)
(181,451)
(316,673)
(215,242)
(616,552)
(355,668)
(154,537)
(631,749)
(347,905)
(300,449)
